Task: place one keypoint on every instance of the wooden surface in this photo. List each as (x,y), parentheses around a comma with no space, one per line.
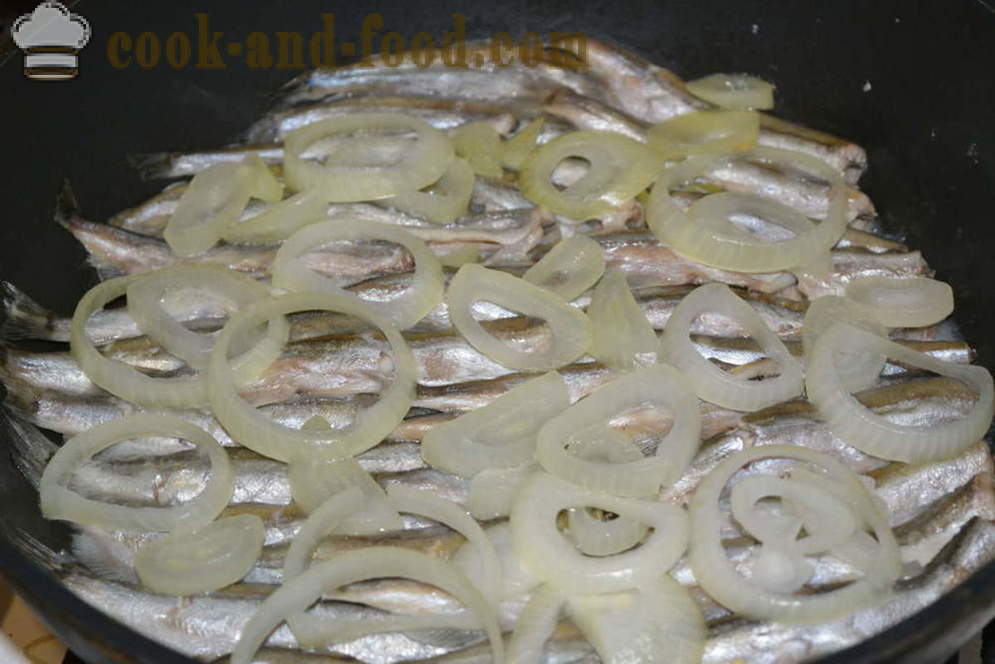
(28,633)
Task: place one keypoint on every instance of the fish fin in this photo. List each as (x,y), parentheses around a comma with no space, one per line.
(23,318)
(99,557)
(31,448)
(66,205)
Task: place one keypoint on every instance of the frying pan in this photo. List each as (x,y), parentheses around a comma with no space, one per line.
(910,81)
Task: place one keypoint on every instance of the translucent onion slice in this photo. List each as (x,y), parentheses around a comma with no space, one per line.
(654,385)
(568,269)
(145,305)
(214,199)
(201,560)
(261,434)
(858,370)
(873,434)
(535,624)
(342,180)
(734,91)
(641,625)
(714,240)
(492,491)
(117,377)
(544,552)
(445,201)
(915,302)
(569,327)
(603,537)
(620,168)
(719,578)
(502,434)
(516,582)
(517,148)
(425,291)
(480,144)
(712,383)
(60,502)
(299,593)
(623,337)
(280,220)
(705,132)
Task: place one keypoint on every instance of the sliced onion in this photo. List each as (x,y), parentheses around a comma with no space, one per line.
(642,625)
(516,582)
(460,256)
(722,582)
(502,434)
(60,502)
(202,560)
(214,199)
(656,385)
(873,434)
(535,624)
(568,269)
(712,383)
(280,220)
(570,329)
(603,537)
(705,132)
(733,91)
(858,370)
(714,240)
(480,144)
(425,291)
(621,167)
(517,148)
(342,180)
(914,302)
(328,518)
(623,337)
(145,306)
(299,593)
(493,490)
(543,551)
(117,377)
(261,434)
(445,201)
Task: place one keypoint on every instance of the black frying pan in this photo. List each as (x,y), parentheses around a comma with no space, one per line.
(925,121)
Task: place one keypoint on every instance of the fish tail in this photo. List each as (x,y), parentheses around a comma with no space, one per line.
(153,165)
(30,448)
(23,318)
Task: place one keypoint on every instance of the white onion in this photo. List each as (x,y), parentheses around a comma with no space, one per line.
(444,201)
(544,552)
(658,385)
(722,582)
(914,302)
(620,168)
(535,624)
(569,328)
(622,336)
(714,240)
(425,291)
(658,620)
(299,593)
(342,180)
(733,91)
(568,269)
(145,306)
(480,144)
(857,370)
(261,434)
(705,132)
(280,220)
(202,560)
(502,434)
(712,383)
(60,502)
(873,434)
(603,537)
(493,490)
(214,199)
(517,148)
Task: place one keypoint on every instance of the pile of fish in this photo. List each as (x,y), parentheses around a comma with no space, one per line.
(942,512)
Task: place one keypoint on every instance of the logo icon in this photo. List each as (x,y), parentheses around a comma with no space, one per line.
(51,38)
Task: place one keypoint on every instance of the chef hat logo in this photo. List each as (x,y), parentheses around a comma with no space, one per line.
(51,37)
